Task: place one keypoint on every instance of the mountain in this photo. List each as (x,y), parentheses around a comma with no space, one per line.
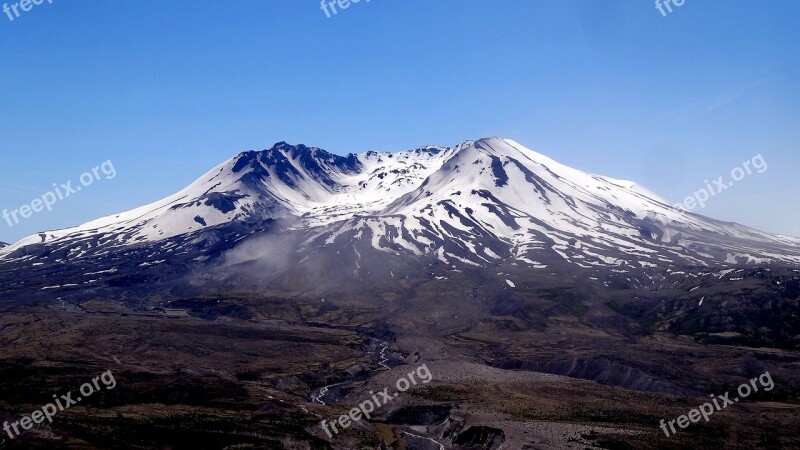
(283,181)
(495,200)
(477,204)
(288,282)
(490,212)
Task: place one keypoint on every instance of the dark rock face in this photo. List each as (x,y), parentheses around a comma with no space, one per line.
(282,166)
(604,371)
(500,175)
(481,438)
(317,162)
(223,202)
(759,309)
(420,415)
(245,159)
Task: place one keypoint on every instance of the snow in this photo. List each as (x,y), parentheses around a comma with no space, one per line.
(152,263)
(416,198)
(59,286)
(722,273)
(114,270)
(491,254)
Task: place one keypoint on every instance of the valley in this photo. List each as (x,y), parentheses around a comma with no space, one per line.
(251,370)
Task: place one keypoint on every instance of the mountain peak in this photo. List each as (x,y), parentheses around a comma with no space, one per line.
(480,202)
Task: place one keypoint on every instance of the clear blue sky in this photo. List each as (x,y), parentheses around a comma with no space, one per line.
(167,90)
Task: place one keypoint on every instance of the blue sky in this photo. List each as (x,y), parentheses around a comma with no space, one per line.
(167,90)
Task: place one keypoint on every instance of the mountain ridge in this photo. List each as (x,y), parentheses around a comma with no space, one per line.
(479,203)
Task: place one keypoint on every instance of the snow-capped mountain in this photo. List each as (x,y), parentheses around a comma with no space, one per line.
(478,204)
(497,200)
(283,181)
